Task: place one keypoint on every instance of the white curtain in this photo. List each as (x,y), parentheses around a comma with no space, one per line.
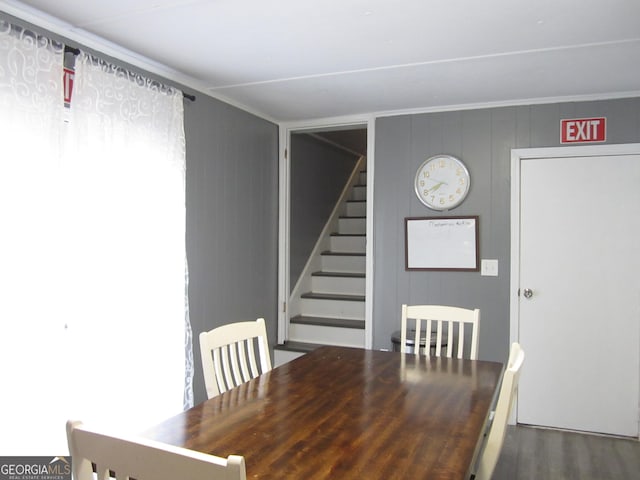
(93,319)
(32,371)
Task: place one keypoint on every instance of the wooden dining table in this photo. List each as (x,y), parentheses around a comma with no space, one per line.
(347,413)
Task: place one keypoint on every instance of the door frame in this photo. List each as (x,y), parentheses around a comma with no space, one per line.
(285,131)
(517,156)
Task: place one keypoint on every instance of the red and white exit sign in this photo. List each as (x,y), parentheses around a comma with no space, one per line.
(67,81)
(580,130)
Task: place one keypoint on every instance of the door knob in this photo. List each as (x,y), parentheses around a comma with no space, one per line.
(528,293)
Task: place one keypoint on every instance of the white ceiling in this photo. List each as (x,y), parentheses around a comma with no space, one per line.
(292,60)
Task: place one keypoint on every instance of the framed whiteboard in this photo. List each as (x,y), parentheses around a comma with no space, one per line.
(442,243)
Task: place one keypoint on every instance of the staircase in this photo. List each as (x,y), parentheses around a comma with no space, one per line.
(327,305)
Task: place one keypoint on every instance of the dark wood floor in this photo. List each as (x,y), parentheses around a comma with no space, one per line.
(540,454)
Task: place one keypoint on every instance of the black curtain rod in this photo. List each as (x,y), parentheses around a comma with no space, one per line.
(68,49)
(76,51)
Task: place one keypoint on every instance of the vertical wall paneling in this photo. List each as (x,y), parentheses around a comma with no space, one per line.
(392,158)
(232,219)
(483,139)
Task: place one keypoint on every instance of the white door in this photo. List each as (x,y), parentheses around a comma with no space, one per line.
(580,270)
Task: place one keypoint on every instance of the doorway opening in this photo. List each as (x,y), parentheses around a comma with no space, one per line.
(323,238)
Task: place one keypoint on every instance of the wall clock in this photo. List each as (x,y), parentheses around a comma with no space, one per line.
(442,182)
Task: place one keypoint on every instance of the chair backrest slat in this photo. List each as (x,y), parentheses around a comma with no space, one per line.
(235,350)
(252,360)
(460,338)
(225,352)
(216,365)
(243,349)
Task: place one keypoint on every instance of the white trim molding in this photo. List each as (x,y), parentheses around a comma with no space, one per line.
(286,129)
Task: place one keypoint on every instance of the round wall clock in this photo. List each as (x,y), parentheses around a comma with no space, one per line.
(442,182)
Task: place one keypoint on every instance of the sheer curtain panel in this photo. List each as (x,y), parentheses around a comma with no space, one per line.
(33,373)
(124,194)
(93,323)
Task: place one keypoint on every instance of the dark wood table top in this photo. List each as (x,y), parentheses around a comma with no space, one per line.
(346,413)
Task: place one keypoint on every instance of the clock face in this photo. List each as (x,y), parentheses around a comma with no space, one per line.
(442,182)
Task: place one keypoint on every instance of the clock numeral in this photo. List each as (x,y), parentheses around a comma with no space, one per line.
(422,183)
(442,163)
(461,181)
(451,198)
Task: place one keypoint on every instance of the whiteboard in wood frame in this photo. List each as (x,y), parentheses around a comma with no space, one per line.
(442,243)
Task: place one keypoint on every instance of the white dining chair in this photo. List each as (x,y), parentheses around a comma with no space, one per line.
(228,355)
(448,324)
(124,457)
(495,437)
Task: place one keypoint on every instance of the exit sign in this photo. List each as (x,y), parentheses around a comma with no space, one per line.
(67,81)
(583,130)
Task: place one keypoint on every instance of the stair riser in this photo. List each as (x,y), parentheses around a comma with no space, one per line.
(313,307)
(362,178)
(359,193)
(337,263)
(349,286)
(349,244)
(348,337)
(356,209)
(352,225)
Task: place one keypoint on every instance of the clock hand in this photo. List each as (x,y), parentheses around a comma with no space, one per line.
(436,187)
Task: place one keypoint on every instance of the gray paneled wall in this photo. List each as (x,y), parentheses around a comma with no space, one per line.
(232,220)
(319,172)
(483,139)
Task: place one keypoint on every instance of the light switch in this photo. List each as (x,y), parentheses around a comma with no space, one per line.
(489,268)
